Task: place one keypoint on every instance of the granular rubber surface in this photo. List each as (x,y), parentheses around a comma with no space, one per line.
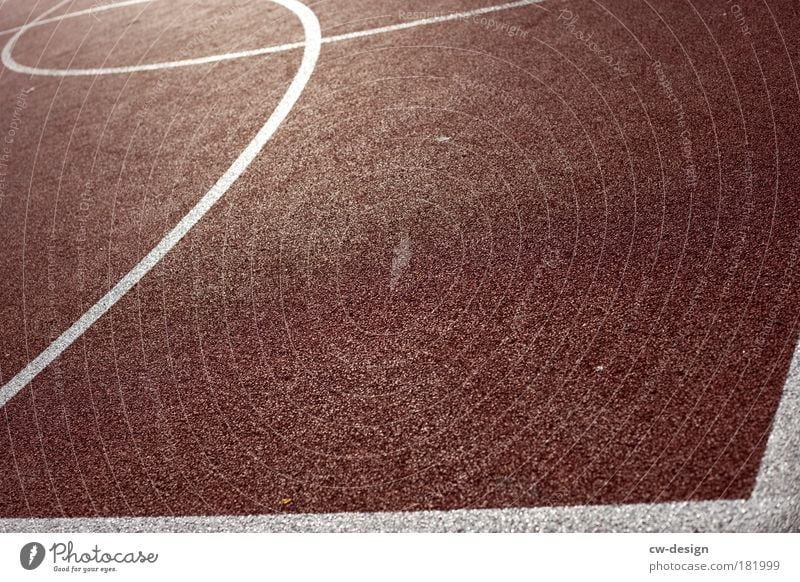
(541,256)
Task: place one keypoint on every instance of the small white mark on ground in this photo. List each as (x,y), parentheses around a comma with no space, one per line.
(400,260)
(443,138)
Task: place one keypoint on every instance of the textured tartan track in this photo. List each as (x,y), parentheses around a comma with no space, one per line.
(540,256)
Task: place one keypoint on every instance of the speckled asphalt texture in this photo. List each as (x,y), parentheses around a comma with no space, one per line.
(533,268)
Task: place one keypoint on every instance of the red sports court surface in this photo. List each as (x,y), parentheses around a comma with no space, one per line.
(537,256)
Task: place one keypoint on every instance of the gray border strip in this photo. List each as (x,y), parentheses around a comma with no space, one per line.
(773,507)
(765,515)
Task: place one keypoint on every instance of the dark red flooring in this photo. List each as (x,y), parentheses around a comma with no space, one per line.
(470,270)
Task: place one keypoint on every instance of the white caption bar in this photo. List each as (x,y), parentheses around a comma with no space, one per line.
(381,557)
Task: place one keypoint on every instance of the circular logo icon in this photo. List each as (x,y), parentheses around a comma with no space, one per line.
(31,556)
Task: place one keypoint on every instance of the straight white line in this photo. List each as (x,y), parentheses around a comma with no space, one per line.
(773,507)
(311,52)
(12,64)
(24,377)
(432,20)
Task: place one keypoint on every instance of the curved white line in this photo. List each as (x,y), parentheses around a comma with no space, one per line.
(312,45)
(10,63)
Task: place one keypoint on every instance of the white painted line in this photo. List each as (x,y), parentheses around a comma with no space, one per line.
(24,377)
(432,20)
(312,45)
(773,507)
(10,63)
